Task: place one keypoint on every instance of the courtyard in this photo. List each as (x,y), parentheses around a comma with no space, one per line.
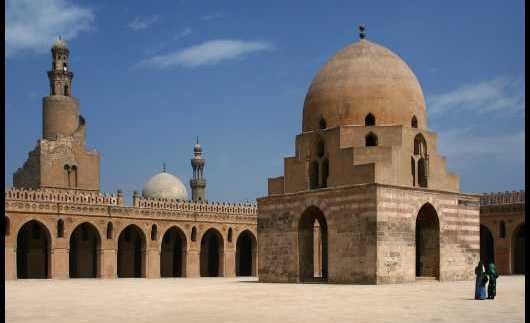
(246,300)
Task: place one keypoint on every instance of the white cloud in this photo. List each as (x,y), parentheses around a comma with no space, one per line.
(141,23)
(500,94)
(464,145)
(34,25)
(207,53)
(183,33)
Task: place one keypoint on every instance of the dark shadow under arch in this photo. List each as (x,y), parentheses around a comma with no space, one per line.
(487,253)
(131,252)
(313,246)
(212,254)
(85,252)
(427,242)
(518,249)
(246,249)
(33,251)
(173,253)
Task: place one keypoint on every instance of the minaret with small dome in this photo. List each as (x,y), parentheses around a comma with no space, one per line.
(198,183)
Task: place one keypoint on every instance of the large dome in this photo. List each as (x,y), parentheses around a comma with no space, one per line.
(360,79)
(165,186)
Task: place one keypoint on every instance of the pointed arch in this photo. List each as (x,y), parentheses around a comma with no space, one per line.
(313,175)
(487,245)
(131,252)
(322,124)
(420,145)
(33,251)
(369,120)
(246,250)
(212,254)
(60,228)
(173,253)
(194,234)
(427,242)
(229,235)
(85,252)
(154,232)
(414,122)
(371,140)
(110,230)
(518,249)
(312,251)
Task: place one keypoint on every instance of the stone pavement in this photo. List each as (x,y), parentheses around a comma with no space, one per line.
(245,300)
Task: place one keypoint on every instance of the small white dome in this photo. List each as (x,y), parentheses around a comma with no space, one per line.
(165,186)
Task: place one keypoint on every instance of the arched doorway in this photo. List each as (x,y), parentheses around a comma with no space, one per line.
(212,254)
(85,245)
(246,254)
(427,242)
(173,253)
(518,249)
(131,252)
(33,251)
(487,253)
(313,245)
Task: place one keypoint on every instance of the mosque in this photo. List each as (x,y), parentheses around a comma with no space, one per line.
(366,198)
(59,225)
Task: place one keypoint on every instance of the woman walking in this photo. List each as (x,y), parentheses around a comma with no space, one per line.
(480,281)
(492,275)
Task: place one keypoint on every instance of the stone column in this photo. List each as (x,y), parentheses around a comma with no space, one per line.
(192,263)
(60,263)
(153,262)
(229,268)
(109,263)
(10,258)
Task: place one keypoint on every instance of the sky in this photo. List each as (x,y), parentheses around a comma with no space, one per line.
(153,75)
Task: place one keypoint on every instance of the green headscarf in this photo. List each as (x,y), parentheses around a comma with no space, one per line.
(492,270)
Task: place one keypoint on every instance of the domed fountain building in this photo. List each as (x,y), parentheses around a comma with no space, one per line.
(366,198)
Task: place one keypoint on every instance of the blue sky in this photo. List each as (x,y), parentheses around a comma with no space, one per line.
(151,75)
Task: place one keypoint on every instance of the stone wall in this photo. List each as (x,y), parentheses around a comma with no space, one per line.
(102,211)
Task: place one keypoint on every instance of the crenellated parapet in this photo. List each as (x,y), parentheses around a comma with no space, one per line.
(502,198)
(63,196)
(191,206)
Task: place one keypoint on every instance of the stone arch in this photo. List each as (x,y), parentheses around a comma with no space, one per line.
(229,235)
(371,140)
(487,245)
(194,234)
(110,230)
(427,242)
(60,228)
(154,232)
(33,250)
(369,120)
(502,229)
(414,122)
(212,254)
(413,170)
(313,245)
(131,252)
(518,249)
(246,251)
(85,251)
(322,124)
(420,145)
(173,253)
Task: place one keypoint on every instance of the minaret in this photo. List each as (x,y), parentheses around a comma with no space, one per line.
(60,160)
(198,183)
(60,109)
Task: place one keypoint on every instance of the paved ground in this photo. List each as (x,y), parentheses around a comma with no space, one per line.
(245,300)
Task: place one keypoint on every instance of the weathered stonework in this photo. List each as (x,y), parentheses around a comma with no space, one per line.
(502,220)
(75,208)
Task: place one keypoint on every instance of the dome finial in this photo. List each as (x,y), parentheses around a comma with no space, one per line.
(197,140)
(163,167)
(362,34)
